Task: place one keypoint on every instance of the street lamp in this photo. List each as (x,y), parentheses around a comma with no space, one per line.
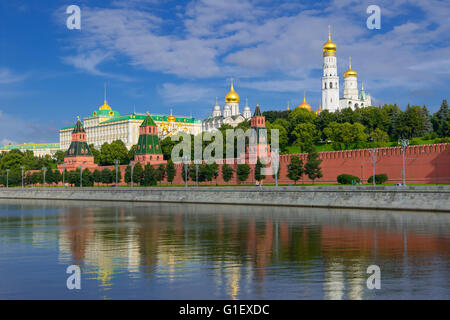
(44,170)
(275,163)
(22,167)
(185,159)
(7,178)
(81,176)
(374,161)
(132,168)
(64,173)
(116,162)
(404,143)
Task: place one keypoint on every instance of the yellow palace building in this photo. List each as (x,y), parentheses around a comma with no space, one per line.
(107,125)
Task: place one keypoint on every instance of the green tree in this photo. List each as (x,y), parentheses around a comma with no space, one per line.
(259,176)
(379,138)
(97,176)
(160,173)
(127,177)
(243,170)
(59,156)
(107,176)
(88,178)
(227,172)
(114,151)
(138,173)
(214,171)
(312,166)
(149,177)
(441,120)
(171,171)
(346,135)
(295,169)
(57,176)
(305,136)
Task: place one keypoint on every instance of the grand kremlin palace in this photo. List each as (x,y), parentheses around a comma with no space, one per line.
(39,149)
(107,125)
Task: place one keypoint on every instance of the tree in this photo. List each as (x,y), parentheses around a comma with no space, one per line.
(379,138)
(441,120)
(214,170)
(171,171)
(305,134)
(295,169)
(107,176)
(59,156)
(127,177)
(149,176)
(160,173)
(312,166)
(49,177)
(57,176)
(259,176)
(87,177)
(412,122)
(138,173)
(242,172)
(345,135)
(114,151)
(97,176)
(227,172)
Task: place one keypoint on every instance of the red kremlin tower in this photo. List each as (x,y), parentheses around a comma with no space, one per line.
(78,152)
(258,147)
(148,149)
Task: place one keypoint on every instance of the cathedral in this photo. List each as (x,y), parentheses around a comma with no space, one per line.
(352,97)
(230,113)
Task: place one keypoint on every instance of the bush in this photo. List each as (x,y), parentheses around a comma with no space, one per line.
(347,179)
(379,178)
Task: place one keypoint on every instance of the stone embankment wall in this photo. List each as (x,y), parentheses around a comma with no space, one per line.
(427,198)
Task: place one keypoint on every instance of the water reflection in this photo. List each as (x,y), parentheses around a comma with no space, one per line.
(226,252)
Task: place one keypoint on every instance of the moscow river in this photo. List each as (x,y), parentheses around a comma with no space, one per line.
(165,251)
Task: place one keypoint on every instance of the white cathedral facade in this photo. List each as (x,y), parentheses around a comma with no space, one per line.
(352,97)
(230,113)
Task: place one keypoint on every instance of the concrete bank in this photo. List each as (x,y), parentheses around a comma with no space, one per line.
(423,198)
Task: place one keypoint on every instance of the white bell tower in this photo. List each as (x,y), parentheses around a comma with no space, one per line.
(330,78)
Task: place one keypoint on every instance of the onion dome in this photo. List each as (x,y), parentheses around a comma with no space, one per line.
(171,118)
(105,106)
(232,95)
(304,104)
(329,45)
(350,72)
(318,110)
(217,106)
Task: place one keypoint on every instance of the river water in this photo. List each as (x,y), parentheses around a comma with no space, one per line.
(171,251)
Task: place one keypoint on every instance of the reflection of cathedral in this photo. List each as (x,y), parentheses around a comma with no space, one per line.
(352,97)
(107,125)
(230,113)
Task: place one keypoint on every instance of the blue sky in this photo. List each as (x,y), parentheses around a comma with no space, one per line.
(157,55)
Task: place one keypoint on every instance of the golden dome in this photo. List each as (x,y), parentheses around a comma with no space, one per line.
(350,72)
(318,110)
(232,96)
(171,118)
(304,104)
(105,106)
(329,45)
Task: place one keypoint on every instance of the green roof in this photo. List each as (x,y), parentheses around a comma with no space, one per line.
(30,146)
(148,122)
(79,148)
(78,127)
(257,111)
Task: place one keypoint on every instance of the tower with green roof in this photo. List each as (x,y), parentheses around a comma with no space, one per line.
(79,152)
(258,147)
(148,149)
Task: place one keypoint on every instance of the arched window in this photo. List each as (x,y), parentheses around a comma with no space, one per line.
(331,85)
(325,85)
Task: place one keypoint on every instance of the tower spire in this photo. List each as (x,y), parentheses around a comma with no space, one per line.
(349,62)
(105,91)
(304,96)
(329,32)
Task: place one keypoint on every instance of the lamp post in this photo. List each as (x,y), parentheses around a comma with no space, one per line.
(185,159)
(81,176)
(132,168)
(374,161)
(44,170)
(116,162)
(196,175)
(404,144)
(7,178)
(22,168)
(64,173)
(275,163)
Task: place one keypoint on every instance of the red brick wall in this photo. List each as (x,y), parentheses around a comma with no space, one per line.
(424,164)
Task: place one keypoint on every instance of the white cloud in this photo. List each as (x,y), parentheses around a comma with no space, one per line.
(254,39)
(7,76)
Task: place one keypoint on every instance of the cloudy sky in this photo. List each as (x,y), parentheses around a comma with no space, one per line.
(156,55)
